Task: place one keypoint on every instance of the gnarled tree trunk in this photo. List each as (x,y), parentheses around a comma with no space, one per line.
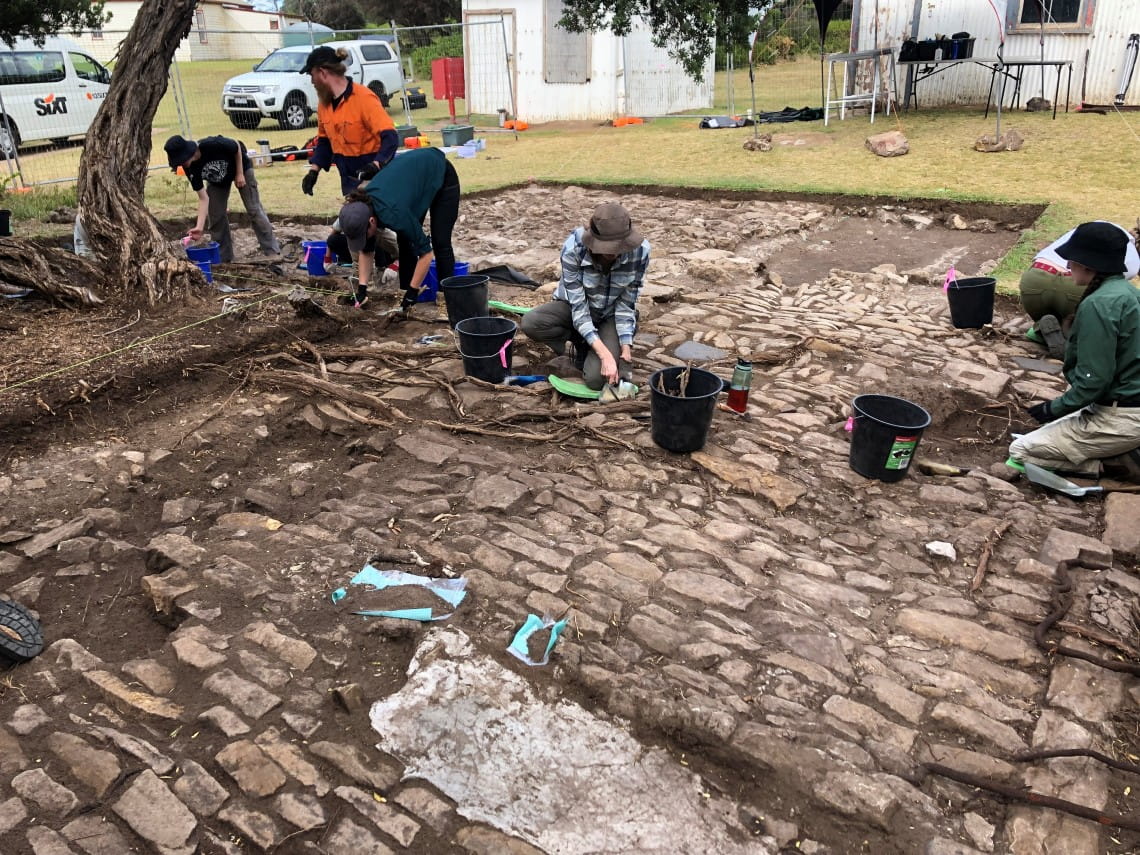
(113,168)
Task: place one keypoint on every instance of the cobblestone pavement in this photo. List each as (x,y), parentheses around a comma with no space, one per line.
(201,693)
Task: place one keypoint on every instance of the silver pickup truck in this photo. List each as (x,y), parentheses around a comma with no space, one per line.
(276,90)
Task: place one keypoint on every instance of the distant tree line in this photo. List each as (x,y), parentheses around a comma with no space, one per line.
(359,14)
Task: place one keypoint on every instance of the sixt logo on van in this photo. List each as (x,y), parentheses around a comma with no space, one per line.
(50,105)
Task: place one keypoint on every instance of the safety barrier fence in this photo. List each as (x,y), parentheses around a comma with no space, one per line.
(49,95)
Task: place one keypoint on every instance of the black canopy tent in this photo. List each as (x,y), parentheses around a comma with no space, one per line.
(824,10)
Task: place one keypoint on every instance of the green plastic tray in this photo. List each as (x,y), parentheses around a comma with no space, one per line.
(573,390)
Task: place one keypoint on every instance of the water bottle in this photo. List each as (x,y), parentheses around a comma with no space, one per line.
(738,387)
(79,237)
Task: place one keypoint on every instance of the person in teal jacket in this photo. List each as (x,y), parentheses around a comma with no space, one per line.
(399,198)
(1097,419)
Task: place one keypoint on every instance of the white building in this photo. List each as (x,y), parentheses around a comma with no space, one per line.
(516,58)
(1092,34)
(222,29)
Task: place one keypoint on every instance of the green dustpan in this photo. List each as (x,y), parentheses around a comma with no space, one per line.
(573,390)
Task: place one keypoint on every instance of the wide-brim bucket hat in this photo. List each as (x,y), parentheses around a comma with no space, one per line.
(178,151)
(1098,246)
(610,231)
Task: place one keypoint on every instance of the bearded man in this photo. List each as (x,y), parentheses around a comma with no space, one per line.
(354,131)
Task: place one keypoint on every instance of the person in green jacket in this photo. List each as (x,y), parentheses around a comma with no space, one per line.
(398,198)
(1097,420)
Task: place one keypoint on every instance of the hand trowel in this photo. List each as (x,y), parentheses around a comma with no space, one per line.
(1044,478)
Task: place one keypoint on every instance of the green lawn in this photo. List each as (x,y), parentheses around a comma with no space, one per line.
(1081,165)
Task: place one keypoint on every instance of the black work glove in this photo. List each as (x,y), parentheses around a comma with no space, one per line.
(309,181)
(368,172)
(1042,413)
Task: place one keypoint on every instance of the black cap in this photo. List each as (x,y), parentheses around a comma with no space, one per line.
(323,55)
(178,151)
(1099,246)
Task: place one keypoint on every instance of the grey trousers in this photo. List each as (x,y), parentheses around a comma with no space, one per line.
(218,220)
(1077,442)
(553,325)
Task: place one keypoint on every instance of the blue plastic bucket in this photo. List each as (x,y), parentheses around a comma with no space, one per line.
(204,266)
(431,281)
(315,251)
(211,253)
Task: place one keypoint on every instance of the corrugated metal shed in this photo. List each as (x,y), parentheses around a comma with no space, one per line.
(1097,52)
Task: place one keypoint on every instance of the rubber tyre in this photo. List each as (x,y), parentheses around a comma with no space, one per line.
(8,143)
(294,115)
(245,121)
(378,88)
(21,637)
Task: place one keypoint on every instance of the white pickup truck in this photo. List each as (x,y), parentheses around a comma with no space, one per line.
(276,90)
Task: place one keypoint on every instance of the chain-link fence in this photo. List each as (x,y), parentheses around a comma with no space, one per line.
(248,86)
(244,83)
(785,58)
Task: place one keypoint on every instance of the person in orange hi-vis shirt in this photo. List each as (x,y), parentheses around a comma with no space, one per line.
(354,131)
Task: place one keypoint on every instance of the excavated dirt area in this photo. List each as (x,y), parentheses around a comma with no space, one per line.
(281,452)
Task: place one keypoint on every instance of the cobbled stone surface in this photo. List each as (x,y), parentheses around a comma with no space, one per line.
(817,651)
(156,814)
(37,787)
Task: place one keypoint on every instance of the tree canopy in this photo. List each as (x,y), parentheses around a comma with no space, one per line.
(420,14)
(340,15)
(332,13)
(37,19)
(689,29)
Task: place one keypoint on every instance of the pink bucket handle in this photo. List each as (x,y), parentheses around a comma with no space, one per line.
(503,352)
(850,426)
(951,276)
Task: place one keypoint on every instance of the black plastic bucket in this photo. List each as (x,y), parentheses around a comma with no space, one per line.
(486,345)
(971,302)
(5,223)
(466,297)
(885,434)
(681,424)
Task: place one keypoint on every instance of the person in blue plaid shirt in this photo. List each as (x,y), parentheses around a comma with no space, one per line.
(594,309)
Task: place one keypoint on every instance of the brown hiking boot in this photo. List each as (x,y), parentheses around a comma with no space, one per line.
(1125,467)
(1050,329)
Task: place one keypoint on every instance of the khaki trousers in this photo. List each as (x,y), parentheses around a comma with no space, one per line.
(1077,442)
(1044,293)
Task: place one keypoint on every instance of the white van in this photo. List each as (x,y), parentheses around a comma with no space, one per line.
(48,92)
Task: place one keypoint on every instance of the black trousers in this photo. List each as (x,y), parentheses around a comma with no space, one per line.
(444,211)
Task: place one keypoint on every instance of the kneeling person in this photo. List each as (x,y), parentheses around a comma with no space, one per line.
(595,305)
(1098,417)
(1050,295)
